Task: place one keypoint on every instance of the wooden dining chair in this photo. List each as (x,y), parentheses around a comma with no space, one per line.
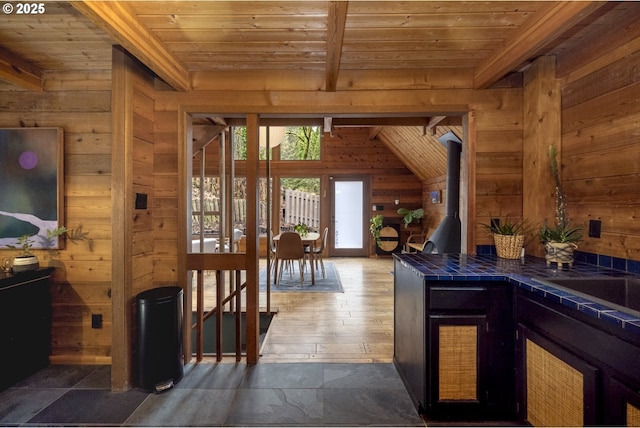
(290,249)
(318,251)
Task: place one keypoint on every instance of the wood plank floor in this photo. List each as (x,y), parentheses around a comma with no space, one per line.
(354,326)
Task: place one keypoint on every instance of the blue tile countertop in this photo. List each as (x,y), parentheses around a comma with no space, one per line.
(521,273)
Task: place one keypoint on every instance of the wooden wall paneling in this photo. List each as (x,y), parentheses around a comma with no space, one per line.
(350,150)
(609,135)
(468,181)
(541,129)
(497,111)
(122,208)
(165,201)
(55,102)
(80,104)
(498,159)
(620,74)
(434,212)
(599,44)
(601,108)
(600,163)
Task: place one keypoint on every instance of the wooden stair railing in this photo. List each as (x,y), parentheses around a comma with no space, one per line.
(234,263)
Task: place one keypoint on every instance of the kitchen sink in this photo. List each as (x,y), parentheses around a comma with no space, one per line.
(622,294)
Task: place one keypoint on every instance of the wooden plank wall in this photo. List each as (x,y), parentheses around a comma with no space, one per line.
(165,200)
(498,157)
(434,212)
(80,103)
(350,151)
(601,148)
(143,182)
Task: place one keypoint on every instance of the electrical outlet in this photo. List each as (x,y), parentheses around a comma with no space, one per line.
(594,228)
(495,223)
(141,201)
(96,320)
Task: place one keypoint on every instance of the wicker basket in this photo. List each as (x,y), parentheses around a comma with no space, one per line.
(508,246)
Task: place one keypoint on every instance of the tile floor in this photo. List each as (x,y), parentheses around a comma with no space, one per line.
(209,394)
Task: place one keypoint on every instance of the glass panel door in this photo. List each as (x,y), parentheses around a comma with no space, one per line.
(347,217)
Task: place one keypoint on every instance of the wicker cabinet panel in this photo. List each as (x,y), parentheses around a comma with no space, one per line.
(633,416)
(555,390)
(560,388)
(572,369)
(458,362)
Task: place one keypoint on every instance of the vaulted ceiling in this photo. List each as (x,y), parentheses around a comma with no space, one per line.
(309,45)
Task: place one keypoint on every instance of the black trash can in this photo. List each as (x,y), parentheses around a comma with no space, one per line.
(159,316)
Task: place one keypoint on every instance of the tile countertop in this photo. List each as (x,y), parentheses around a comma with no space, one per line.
(465,267)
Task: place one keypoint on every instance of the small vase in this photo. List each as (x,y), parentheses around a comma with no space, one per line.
(560,253)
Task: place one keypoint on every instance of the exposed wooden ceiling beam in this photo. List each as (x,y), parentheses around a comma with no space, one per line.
(431,126)
(15,70)
(344,122)
(117,20)
(545,26)
(337,17)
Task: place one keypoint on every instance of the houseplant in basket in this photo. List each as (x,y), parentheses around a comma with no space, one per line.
(560,238)
(508,236)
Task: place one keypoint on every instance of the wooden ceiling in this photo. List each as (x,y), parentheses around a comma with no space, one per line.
(305,45)
(330,43)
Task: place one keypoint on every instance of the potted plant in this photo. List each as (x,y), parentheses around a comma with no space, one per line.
(560,238)
(410,216)
(375,226)
(508,236)
(26,260)
(301,228)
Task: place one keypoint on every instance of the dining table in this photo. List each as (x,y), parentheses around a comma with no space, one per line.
(308,240)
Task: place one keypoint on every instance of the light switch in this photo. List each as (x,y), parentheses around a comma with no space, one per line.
(594,228)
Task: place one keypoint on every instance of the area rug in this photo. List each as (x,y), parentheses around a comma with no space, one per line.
(329,284)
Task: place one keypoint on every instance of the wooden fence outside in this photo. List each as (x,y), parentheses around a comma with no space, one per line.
(297,207)
(301,207)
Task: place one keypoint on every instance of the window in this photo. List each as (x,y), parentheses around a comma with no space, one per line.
(301,143)
(294,142)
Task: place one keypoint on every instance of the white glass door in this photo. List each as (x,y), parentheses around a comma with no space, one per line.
(348,202)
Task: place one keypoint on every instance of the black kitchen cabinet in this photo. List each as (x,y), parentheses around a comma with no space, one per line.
(593,363)
(454,345)
(25,324)
(622,403)
(410,332)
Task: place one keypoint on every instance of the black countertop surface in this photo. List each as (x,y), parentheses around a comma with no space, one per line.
(522,273)
(8,280)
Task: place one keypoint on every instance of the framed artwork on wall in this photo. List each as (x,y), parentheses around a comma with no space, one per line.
(31,185)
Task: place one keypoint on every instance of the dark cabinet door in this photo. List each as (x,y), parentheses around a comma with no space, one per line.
(455,368)
(558,388)
(622,404)
(25,326)
(409,327)
(454,346)
(470,351)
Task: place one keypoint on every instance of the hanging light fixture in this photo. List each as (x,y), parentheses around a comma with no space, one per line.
(276,135)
